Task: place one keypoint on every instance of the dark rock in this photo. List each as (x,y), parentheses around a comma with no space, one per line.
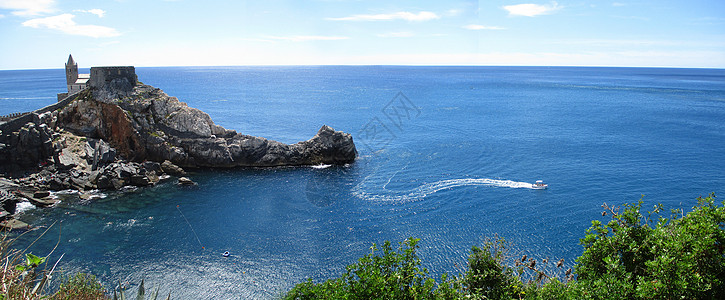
(172,169)
(80,183)
(151,166)
(104,182)
(152,177)
(13,224)
(59,182)
(8,200)
(41,194)
(26,147)
(126,170)
(118,183)
(140,180)
(101,153)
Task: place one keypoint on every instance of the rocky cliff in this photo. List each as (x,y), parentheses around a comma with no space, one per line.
(121,133)
(146,124)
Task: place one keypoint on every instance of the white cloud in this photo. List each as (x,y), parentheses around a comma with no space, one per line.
(482,27)
(618,4)
(306,38)
(64,23)
(402,15)
(98,12)
(400,34)
(28,7)
(531,10)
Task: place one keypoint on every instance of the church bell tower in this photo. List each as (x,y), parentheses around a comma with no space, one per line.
(71,72)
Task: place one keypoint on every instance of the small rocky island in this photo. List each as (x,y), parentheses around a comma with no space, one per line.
(115,132)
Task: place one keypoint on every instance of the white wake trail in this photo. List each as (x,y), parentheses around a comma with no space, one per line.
(431,188)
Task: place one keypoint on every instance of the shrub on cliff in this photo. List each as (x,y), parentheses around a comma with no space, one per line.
(390,275)
(487,274)
(81,286)
(634,256)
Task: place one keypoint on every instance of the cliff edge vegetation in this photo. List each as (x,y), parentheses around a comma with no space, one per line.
(635,255)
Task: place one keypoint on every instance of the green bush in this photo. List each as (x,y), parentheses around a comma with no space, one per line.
(638,257)
(391,275)
(633,256)
(80,287)
(487,275)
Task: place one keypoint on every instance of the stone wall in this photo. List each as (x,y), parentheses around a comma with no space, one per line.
(11,116)
(104,76)
(18,122)
(62,96)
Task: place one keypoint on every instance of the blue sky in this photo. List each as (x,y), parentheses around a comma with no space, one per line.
(656,33)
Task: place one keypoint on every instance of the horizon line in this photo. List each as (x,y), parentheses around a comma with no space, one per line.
(383,65)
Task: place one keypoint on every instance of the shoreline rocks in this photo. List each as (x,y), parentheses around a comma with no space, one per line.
(185,181)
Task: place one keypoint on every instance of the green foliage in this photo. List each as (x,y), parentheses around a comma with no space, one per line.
(31,261)
(553,289)
(637,257)
(633,256)
(487,275)
(390,275)
(80,287)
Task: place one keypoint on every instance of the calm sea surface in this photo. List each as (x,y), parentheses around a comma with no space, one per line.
(447,154)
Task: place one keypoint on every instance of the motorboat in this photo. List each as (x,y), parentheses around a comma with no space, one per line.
(539,185)
(225,254)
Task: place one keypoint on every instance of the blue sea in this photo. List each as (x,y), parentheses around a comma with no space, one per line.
(446,154)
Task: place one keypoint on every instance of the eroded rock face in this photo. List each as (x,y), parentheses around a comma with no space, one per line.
(26,147)
(149,125)
(107,121)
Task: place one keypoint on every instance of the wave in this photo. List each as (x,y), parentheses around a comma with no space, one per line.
(320,166)
(23,206)
(431,188)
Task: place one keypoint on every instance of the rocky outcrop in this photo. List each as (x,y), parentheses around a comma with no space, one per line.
(99,120)
(147,124)
(24,148)
(117,134)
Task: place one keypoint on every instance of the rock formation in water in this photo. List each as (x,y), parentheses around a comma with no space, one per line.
(143,123)
(120,132)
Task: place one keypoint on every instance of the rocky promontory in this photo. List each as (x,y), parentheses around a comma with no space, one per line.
(144,123)
(119,132)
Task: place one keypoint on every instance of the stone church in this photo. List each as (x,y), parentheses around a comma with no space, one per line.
(99,76)
(75,81)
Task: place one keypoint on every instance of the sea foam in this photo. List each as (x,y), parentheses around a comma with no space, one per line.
(430,188)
